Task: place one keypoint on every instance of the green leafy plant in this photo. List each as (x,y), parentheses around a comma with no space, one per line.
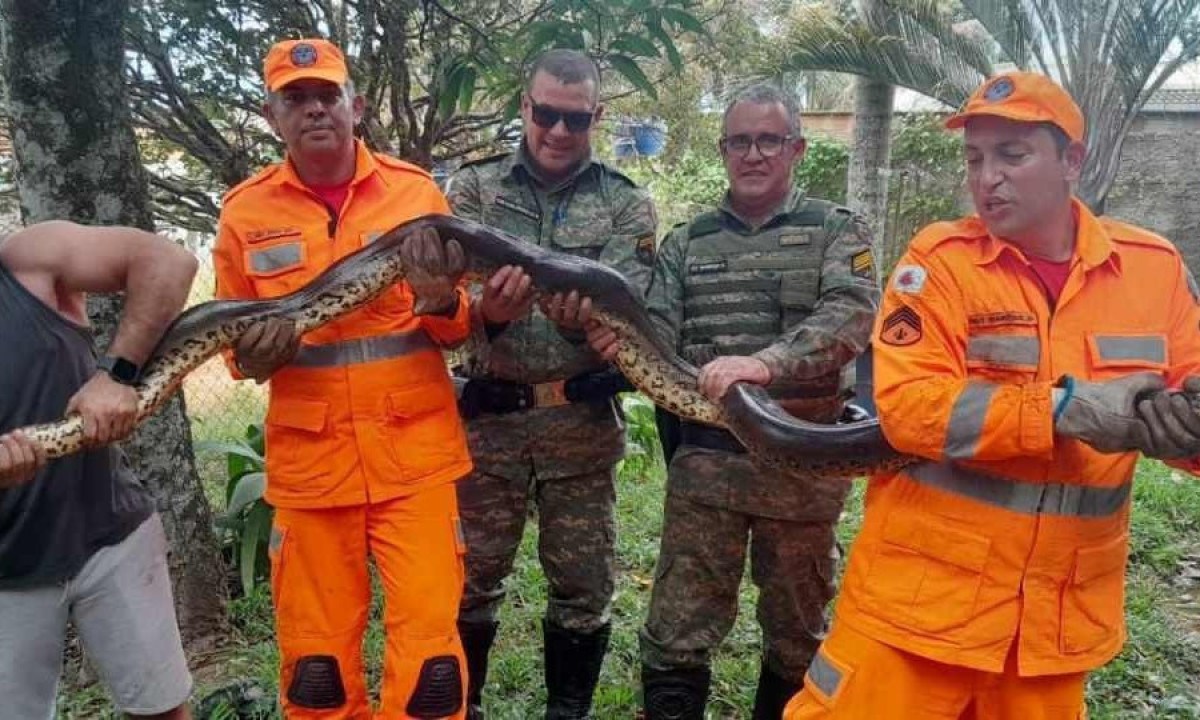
(926,182)
(643,452)
(823,172)
(245,525)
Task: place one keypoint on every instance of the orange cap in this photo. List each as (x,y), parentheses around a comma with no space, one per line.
(293,60)
(1023,97)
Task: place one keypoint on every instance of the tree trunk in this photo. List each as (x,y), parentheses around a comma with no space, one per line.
(77,159)
(870,154)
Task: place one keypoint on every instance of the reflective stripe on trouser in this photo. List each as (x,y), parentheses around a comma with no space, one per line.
(693,602)
(361,350)
(856,678)
(1048,498)
(576,544)
(322,596)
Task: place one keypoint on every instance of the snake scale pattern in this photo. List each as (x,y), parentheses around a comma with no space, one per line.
(747,411)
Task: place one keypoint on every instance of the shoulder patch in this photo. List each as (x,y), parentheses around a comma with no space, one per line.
(862,265)
(901,327)
(909,279)
(251,181)
(645,249)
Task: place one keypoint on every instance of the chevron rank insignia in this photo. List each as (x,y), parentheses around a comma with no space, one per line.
(902,327)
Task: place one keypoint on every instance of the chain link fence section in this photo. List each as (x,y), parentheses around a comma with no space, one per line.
(219,407)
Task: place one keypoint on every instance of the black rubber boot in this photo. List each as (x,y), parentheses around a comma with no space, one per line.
(679,694)
(772,695)
(573,662)
(477,639)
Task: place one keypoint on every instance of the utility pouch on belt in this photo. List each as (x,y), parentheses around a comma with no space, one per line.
(499,397)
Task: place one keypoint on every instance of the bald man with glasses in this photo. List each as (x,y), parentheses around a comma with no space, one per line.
(540,407)
(772,288)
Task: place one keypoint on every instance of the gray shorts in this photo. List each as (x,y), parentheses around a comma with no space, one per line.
(122,608)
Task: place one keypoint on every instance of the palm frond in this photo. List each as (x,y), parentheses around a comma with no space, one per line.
(819,42)
(925,23)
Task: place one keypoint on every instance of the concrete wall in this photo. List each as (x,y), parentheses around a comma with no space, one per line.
(1158,184)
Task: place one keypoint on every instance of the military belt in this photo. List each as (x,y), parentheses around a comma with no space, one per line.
(362,350)
(712,438)
(1027,498)
(499,397)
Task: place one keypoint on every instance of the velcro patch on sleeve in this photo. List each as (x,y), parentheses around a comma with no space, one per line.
(901,327)
(863,264)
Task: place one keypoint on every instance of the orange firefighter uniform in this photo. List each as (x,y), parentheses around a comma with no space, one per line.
(988,578)
(1006,540)
(363,444)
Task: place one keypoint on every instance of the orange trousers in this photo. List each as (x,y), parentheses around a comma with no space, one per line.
(322,594)
(856,678)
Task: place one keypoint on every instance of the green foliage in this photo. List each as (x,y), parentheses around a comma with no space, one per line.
(643,452)
(245,525)
(823,172)
(441,80)
(684,188)
(926,184)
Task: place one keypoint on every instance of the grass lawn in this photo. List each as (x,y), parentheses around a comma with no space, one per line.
(1155,677)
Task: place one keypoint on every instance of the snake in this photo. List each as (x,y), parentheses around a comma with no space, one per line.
(747,411)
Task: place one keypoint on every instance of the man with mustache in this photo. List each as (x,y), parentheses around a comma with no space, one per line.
(540,408)
(772,288)
(364,442)
(1024,354)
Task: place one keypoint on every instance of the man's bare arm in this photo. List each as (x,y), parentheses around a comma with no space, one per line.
(59,261)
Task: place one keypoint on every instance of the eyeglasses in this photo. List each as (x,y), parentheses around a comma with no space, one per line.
(768,145)
(547,117)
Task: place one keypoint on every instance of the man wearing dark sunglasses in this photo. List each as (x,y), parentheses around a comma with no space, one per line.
(539,403)
(772,288)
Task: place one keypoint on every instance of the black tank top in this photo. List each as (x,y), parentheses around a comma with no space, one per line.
(77,504)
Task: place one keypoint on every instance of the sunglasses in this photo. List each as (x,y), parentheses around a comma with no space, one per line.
(768,145)
(547,117)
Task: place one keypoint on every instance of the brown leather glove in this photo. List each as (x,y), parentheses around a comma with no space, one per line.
(1173,421)
(265,347)
(1104,414)
(433,269)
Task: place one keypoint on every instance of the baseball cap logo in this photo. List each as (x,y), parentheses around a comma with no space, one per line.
(998,90)
(304,55)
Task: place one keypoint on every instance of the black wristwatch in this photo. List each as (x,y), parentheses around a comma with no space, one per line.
(119,369)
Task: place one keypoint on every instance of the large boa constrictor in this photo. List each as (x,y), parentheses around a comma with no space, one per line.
(747,411)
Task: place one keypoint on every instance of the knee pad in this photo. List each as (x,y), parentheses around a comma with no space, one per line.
(317,683)
(438,692)
(679,694)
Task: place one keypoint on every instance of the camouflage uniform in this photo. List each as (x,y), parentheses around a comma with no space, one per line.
(799,293)
(562,458)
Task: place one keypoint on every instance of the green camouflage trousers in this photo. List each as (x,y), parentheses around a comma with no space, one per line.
(695,597)
(576,544)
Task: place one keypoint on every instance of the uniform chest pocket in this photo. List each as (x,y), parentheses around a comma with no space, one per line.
(511,213)
(1003,356)
(1114,354)
(584,239)
(278,266)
